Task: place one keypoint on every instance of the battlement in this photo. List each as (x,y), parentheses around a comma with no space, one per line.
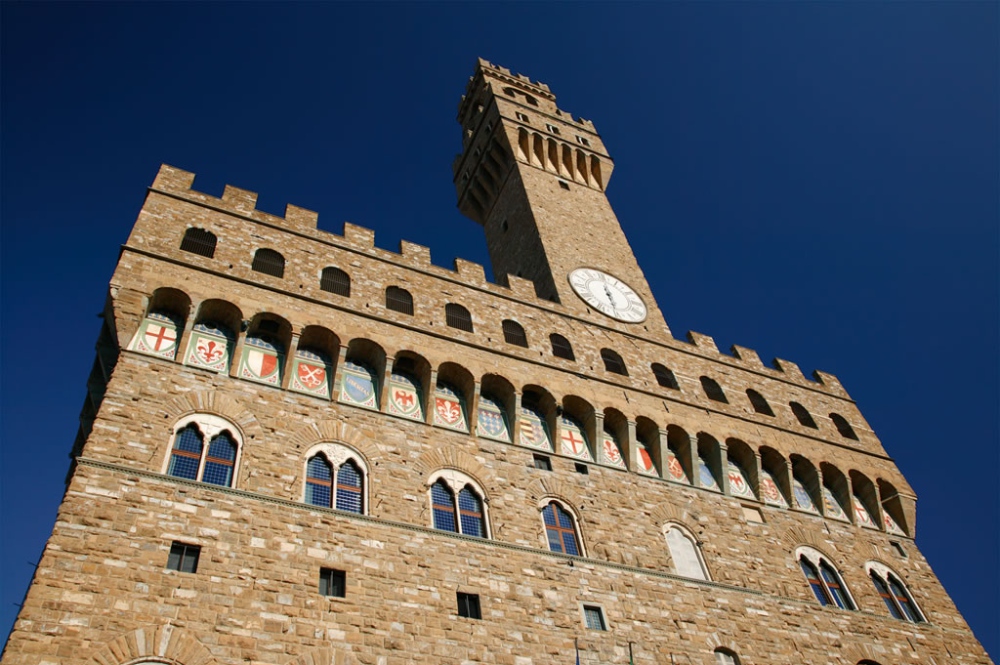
(241,202)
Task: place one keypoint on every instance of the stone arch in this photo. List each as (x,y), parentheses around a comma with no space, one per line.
(450,458)
(857,653)
(322,431)
(157,644)
(553,488)
(210,401)
(715,641)
(324,656)
(668,512)
(797,536)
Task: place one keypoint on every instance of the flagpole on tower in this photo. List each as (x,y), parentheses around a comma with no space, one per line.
(631,661)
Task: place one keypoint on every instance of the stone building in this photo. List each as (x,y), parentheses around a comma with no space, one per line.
(299,449)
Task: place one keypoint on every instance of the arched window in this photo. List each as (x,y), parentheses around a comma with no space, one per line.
(759,404)
(335,478)
(268,262)
(713,390)
(843,426)
(802,415)
(824,580)
(665,377)
(894,593)
(513,333)
(457,504)
(335,280)
(685,553)
(561,347)
(457,316)
(613,362)
(199,241)
(190,458)
(726,657)
(560,529)
(399,300)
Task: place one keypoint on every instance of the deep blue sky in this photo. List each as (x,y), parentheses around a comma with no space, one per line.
(816,181)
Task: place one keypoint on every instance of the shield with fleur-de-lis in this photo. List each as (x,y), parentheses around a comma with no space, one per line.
(449,410)
(612,455)
(209,347)
(769,490)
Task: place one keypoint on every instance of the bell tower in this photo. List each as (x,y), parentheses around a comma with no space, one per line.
(535,178)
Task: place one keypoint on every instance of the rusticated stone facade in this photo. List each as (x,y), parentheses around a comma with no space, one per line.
(108,592)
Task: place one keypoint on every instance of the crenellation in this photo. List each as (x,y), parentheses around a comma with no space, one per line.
(204,426)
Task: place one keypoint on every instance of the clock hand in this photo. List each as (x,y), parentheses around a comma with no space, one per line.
(607,292)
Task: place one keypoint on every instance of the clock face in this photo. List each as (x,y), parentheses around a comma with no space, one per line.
(608,295)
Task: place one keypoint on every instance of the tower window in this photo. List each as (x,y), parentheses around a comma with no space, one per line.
(726,657)
(803,416)
(457,316)
(335,280)
(268,262)
(564,185)
(199,241)
(183,557)
(713,390)
(331,486)
(468,606)
(399,300)
(561,347)
(593,617)
(843,426)
(824,580)
(332,583)
(513,333)
(466,515)
(552,128)
(189,458)
(582,141)
(685,553)
(759,404)
(665,377)
(613,362)
(522,117)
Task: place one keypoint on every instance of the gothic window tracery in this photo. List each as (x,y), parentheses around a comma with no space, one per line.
(191,458)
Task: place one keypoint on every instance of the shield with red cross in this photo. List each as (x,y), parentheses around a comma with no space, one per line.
(574,441)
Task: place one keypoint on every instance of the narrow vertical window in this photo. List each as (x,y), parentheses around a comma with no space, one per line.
(319,482)
(883,592)
(349,496)
(815,583)
(560,530)
(186,455)
(443,505)
(470,510)
(835,586)
(593,617)
(220,460)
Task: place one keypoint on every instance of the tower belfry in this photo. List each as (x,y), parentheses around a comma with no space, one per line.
(535,177)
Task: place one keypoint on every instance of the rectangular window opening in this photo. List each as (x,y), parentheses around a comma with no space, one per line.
(332,582)
(552,128)
(563,184)
(582,141)
(183,557)
(522,117)
(542,462)
(752,514)
(468,606)
(582,468)
(899,549)
(594,617)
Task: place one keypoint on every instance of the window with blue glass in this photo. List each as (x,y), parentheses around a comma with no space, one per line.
(894,594)
(560,529)
(190,458)
(443,504)
(335,486)
(458,504)
(824,580)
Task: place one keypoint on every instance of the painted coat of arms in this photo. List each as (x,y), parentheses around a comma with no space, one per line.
(706,476)
(448,409)
(534,433)
(404,397)
(357,385)
(573,439)
(209,347)
(261,361)
(861,514)
(832,507)
(803,500)
(612,455)
(676,469)
(769,490)
(738,485)
(490,420)
(157,336)
(645,462)
(311,374)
